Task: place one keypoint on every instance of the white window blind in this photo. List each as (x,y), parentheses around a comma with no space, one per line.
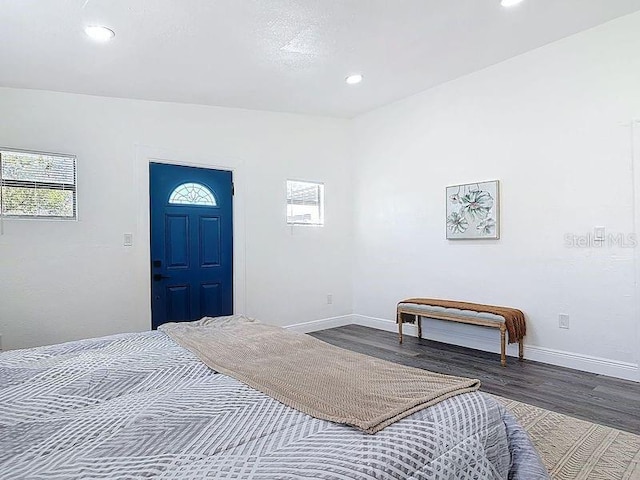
(37,185)
(305,203)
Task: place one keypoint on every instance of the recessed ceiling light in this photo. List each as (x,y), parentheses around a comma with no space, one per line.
(353,79)
(99,33)
(510,3)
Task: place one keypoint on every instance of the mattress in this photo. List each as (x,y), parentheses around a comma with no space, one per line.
(140,406)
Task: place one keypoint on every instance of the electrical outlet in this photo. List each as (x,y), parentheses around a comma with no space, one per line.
(563,320)
(329,299)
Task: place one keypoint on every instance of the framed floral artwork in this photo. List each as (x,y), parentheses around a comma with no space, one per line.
(473,211)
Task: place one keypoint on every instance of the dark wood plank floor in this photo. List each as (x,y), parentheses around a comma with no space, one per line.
(596,398)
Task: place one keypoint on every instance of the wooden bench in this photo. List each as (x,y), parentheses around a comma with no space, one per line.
(484,319)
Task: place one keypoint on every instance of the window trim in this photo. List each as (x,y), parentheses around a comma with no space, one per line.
(45,185)
(322,204)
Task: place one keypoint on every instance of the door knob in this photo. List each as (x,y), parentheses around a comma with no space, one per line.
(158,276)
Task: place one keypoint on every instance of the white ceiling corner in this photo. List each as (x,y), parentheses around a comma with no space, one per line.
(278,55)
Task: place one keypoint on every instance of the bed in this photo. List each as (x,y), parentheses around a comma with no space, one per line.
(141,406)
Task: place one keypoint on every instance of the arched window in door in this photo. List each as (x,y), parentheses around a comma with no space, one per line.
(192,194)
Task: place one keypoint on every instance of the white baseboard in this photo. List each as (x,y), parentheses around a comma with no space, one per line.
(577,361)
(321,324)
(587,363)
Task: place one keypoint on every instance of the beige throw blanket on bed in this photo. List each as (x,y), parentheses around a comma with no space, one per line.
(312,376)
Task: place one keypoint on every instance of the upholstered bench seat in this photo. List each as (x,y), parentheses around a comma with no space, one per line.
(506,319)
(454,312)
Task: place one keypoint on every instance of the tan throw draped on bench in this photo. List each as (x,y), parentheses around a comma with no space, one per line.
(312,376)
(514,318)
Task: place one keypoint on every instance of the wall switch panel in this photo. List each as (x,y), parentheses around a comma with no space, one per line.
(599,233)
(128,240)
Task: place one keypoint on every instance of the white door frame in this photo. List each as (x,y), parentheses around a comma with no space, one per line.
(635,164)
(145,155)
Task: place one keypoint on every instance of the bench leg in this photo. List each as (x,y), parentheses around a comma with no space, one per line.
(419,324)
(503,346)
(400,327)
(521,349)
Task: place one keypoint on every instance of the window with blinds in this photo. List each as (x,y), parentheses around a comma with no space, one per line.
(305,203)
(37,185)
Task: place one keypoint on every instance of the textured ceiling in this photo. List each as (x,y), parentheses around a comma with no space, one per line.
(281,55)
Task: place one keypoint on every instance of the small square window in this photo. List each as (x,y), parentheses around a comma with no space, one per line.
(37,185)
(305,203)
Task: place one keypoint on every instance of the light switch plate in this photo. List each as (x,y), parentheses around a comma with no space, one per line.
(128,240)
(599,233)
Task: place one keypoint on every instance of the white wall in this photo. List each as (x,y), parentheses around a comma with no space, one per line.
(66,280)
(553,126)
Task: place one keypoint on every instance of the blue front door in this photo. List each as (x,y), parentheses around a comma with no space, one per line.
(191,243)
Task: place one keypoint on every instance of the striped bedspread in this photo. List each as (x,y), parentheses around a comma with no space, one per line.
(140,406)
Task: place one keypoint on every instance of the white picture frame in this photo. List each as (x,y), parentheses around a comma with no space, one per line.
(473,211)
